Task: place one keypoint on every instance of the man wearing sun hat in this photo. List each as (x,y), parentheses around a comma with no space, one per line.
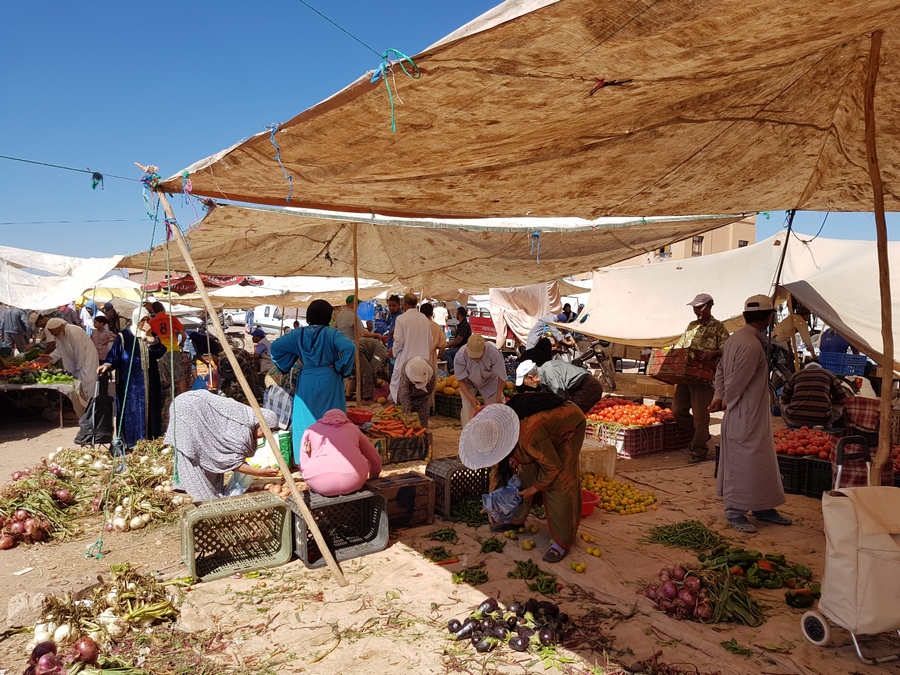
(748,478)
(704,337)
(479,369)
(78,356)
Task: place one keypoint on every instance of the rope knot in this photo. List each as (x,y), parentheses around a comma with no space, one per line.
(535,246)
(96,179)
(386,68)
(290,179)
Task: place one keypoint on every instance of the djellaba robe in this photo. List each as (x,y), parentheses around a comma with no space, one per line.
(138,390)
(547,452)
(748,478)
(327,357)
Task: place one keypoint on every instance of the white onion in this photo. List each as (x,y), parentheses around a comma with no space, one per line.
(80,462)
(119,510)
(99,465)
(120,525)
(166,450)
(143,459)
(126,501)
(41,636)
(176,500)
(87,458)
(79,474)
(51,456)
(158,488)
(136,523)
(63,634)
(145,517)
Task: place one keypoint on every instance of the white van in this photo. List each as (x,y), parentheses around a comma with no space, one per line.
(267,317)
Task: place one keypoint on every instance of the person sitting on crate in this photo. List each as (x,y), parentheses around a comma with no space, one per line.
(812,397)
(538,436)
(417,387)
(748,478)
(211,435)
(705,337)
(336,457)
(569,382)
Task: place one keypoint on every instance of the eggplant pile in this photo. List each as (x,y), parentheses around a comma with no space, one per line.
(522,626)
(681,594)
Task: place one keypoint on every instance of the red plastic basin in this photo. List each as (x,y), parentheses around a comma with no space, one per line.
(588,502)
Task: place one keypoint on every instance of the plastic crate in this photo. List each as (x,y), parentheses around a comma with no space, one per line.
(676,438)
(409,497)
(352,525)
(511,367)
(818,477)
(677,366)
(406,449)
(448,406)
(793,470)
(235,534)
(631,441)
(843,364)
(454,482)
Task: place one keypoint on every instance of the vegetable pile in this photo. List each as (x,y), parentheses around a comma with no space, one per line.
(622,498)
(759,570)
(690,535)
(24,371)
(45,658)
(389,422)
(469,510)
(627,413)
(537,580)
(528,626)
(803,441)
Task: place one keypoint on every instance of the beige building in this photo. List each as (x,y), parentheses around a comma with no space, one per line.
(736,235)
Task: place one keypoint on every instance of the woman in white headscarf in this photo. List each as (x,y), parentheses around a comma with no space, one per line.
(416,386)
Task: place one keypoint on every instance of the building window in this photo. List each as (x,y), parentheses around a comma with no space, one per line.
(697,246)
(742,243)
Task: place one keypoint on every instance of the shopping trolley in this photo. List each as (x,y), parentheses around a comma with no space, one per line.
(861,582)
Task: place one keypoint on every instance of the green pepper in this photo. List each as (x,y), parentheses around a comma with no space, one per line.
(776,558)
(801,598)
(802,571)
(774,583)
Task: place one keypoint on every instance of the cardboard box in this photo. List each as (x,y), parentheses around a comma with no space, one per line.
(651,387)
(677,366)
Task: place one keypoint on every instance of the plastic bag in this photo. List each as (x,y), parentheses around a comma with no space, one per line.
(238,484)
(500,503)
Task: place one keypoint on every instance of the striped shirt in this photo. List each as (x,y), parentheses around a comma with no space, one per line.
(809,396)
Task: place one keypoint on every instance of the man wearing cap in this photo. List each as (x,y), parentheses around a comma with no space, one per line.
(705,338)
(262,350)
(77,355)
(569,382)
(479,369)
(748,478)
(412,337)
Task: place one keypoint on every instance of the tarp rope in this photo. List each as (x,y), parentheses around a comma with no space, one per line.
(386,68)
(290,179)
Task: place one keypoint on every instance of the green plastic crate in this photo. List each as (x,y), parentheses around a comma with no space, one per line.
(236,534)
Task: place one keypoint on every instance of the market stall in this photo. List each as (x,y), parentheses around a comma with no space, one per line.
(22,375)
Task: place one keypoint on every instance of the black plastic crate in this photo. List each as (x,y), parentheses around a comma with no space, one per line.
(793,473)
(454,482)
(352,525)
(448,406)
(819,477)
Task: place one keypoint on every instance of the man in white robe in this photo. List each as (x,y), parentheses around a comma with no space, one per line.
(77,355)
(412,337)
(748,478)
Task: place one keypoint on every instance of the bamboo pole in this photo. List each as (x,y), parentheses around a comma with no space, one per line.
(257,411)
(356,316)
(882,457)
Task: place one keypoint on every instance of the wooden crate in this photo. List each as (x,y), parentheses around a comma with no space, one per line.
(678,366)
(410,498)
(651,388)
(406,449)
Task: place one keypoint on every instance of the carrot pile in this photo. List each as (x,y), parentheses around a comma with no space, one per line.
(387,422)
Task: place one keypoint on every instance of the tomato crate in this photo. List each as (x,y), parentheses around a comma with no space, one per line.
(448,406)
(454,482)
(677,366)
(676,438)
(406,449)
(409,496)
(235,534)
(631,441)
(843,364)
(352,525)
(818,478)
(793,470)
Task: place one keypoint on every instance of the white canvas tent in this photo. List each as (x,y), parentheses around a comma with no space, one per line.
(289,292)
(519,308)
(836,279)
(35,280)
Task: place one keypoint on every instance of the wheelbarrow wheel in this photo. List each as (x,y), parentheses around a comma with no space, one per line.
(816,629)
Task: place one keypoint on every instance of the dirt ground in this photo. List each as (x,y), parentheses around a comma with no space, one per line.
(390,616)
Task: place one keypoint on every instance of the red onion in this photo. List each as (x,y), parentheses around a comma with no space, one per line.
(41,648)
(22,514)
(665,605)
(48,664)
(670,590)
(6,542)
(16,527)
(652,591)
(38,534)
(17,475)
(87,650)
(679,572)
(129,480)
(109,527)
(687,597)
(55,469)
(693,583)
(63,496)
(703,611)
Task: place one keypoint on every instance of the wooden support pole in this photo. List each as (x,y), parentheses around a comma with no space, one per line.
(356,315)
(882,457)
(257,411)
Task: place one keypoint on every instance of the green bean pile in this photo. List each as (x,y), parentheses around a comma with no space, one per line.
(690,535)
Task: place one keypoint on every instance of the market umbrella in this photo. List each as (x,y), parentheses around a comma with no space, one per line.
(187,284)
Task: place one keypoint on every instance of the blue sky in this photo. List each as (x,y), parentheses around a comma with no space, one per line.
(103,84)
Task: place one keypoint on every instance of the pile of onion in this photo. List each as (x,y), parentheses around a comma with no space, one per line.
(23,526)
(680,593)
(45,661)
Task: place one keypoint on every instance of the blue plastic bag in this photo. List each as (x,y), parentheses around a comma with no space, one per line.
(500,503)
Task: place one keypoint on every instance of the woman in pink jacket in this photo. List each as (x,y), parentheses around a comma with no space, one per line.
(336,458)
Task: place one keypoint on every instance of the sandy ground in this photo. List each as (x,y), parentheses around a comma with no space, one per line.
(391,614)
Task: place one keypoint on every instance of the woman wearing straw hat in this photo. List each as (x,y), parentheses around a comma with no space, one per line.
(538,436)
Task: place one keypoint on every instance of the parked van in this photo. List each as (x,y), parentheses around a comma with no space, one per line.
(267,317)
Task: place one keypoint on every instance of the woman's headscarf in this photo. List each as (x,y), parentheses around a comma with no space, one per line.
(419,372)
(335,418)
(319,313)
(540,353)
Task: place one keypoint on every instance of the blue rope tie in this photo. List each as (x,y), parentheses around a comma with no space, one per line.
(96,179)
(536,246)
(272,129)
(385,69)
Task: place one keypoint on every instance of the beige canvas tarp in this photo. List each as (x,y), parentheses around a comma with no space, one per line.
(589,109)
(520,307)
(427,253)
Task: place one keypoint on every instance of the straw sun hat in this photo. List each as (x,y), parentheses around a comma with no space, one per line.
(489,436)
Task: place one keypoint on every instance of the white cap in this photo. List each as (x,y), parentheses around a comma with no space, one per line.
(523,370)
(759,303)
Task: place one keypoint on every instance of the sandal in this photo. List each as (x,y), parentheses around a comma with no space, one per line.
(503,527)
(741,524)
(554,556)
(771,516)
